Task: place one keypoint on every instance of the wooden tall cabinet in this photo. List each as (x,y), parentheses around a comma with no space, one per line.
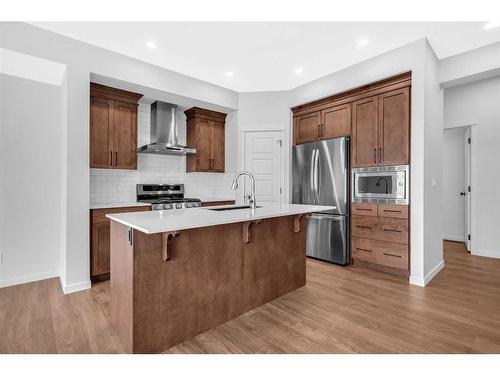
(206,133)
(381,129)
(113,128)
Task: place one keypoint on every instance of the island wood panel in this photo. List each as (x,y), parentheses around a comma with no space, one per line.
(212,277)
(122,297)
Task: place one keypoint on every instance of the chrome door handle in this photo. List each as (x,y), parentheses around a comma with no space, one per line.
(316,177)
(312,171)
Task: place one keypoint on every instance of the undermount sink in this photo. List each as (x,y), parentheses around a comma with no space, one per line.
(231,208)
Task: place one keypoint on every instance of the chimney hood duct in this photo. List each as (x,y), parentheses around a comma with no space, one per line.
(163,132)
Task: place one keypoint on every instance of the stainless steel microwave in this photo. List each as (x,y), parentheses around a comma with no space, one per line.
(388,184)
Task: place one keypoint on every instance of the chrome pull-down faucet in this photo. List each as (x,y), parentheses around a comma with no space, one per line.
(251,197)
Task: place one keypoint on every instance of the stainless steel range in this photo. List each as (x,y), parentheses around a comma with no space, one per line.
(165,196)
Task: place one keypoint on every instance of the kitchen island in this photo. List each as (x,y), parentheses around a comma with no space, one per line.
(175,274)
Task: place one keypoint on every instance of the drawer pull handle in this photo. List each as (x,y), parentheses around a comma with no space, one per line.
(363,227)
(393,255)
(364,209)
(392,230)
(359,248)
(398,211)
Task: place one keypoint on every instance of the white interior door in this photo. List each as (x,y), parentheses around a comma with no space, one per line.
(468,197)
(264,159)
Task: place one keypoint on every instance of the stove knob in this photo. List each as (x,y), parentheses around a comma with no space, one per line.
(188,205)
(178,205)
(168,206)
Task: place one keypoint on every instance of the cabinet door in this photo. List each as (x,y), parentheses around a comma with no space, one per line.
(203,145)
(100,248)
(307,127)
(336,122)
(394,127)
(101,132)
(364,132)
(217,147)
(125,136)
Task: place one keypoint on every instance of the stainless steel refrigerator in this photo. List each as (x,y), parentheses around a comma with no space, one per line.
(321,176)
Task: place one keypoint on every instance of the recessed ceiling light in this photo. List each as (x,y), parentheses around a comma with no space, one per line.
(151,44)
(362,42)
(299,70)
(491,25)
(229,74)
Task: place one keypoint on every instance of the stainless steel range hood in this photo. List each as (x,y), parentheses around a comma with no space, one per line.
(163,132)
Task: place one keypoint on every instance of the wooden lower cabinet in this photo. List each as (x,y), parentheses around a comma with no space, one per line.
(380,237)
(100,242)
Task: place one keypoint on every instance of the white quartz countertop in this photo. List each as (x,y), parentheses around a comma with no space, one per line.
(95,206)
(151,222)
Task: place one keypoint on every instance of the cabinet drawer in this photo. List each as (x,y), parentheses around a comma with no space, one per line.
(364,209)
(397,211)
(387,254)
(99,215)
(380,228)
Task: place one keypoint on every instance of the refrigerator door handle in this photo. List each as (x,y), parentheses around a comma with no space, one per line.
(316,176)
(313,155)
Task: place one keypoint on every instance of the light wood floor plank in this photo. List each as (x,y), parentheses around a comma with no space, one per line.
(340,310)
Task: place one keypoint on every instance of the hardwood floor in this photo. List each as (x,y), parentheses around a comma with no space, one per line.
(340,310)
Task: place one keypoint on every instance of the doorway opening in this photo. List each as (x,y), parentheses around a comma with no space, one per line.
(457,189)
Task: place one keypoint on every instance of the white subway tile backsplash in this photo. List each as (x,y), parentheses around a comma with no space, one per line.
(114,186)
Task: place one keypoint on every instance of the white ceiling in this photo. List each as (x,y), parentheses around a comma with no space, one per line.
(265,56)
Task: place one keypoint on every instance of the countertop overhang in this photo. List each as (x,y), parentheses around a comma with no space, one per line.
(152,222)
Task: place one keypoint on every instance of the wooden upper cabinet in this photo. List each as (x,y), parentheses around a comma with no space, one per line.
(101,132)
(394,127)
(218,147)
(365,132)
(205,133)
(125,135)
(336,122)
(113,127)
(307,127)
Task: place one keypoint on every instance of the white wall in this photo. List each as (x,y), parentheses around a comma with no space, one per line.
(31,155)
(264,111)
(470,66)
(478,103)
(81,60)
(433,171)
(453,184)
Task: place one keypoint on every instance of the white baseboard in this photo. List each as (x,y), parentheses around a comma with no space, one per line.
(419,281)
(489,254)
(451,237)
(28,278)
(72,288)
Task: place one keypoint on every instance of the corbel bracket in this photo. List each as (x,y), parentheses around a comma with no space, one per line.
(246,230)
(166,237)
(296,221)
